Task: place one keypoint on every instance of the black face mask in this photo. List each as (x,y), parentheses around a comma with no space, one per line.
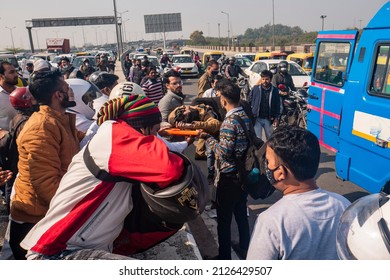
(270,173)
(214,72)
(65,103)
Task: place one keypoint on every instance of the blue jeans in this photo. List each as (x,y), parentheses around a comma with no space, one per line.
(210,160)
(263,123)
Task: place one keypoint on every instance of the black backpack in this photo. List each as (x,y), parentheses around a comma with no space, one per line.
(9,150)
(251,169)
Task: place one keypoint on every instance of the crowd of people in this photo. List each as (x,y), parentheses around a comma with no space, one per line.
(93,156)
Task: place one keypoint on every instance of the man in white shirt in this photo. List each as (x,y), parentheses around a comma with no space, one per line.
(8,82)
(105,83)
(303,224)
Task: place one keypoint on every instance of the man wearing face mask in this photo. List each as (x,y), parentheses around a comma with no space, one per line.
(207,78)
(233,71)
(65,67)
(302,225)
(283,77)
(46,146)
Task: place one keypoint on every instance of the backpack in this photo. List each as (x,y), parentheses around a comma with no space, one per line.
(9,149)
(251,170)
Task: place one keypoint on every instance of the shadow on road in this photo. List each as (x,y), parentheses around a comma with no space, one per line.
(327,157)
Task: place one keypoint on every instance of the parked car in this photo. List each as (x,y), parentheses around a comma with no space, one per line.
(250,56)
(78,61)
(153,59)
(45,56)
(305,60)
(270,55)
(211,55)
(300,77)
(10,58)
(186,64)
(58,58)
(243,62)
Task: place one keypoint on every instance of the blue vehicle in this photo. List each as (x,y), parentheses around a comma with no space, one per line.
(351,116)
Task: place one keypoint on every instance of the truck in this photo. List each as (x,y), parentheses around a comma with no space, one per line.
(350,108)
(58,45)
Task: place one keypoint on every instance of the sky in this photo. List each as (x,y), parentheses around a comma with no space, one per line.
(203,15)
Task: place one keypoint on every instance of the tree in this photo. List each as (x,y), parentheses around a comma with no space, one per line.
(197,38)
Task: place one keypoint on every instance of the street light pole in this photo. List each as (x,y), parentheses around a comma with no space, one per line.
(36,35)
(323,19)
(219,33)
(124,30)
(227,27)
(120,22)
(273,24)
(12,37)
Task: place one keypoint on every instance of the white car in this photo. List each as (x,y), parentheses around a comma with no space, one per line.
(186,64)
(250,56)
(153,59)
(300,78)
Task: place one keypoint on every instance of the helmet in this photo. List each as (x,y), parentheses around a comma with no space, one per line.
(232,59)
(20,98)
(363,231)
(76,74)
(182,201)
(282,66)
(84,94)
(126,88)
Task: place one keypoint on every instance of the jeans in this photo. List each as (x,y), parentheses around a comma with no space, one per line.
(231,199)
(263,123)
(210,160)
(17,233)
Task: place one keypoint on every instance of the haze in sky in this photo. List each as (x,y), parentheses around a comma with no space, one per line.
(201,15)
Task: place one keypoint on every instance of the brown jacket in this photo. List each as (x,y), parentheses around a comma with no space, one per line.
(203,84)
(207,121)
(46,146)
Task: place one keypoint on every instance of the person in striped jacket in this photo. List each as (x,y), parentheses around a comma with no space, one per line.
(153,87)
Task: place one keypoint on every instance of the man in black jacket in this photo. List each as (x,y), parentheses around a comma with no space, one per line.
(266,105)
(283,77)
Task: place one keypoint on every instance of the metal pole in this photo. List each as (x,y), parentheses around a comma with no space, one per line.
(36,35)
(219,33)
(83,36)
(273,24)
(117,31)
(12,37)
(323,19)
(31,39)
(228,18)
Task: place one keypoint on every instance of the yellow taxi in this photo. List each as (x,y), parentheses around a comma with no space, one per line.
(305,60)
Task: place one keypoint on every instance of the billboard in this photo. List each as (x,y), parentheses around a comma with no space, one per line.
(162,23)
(71,21)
